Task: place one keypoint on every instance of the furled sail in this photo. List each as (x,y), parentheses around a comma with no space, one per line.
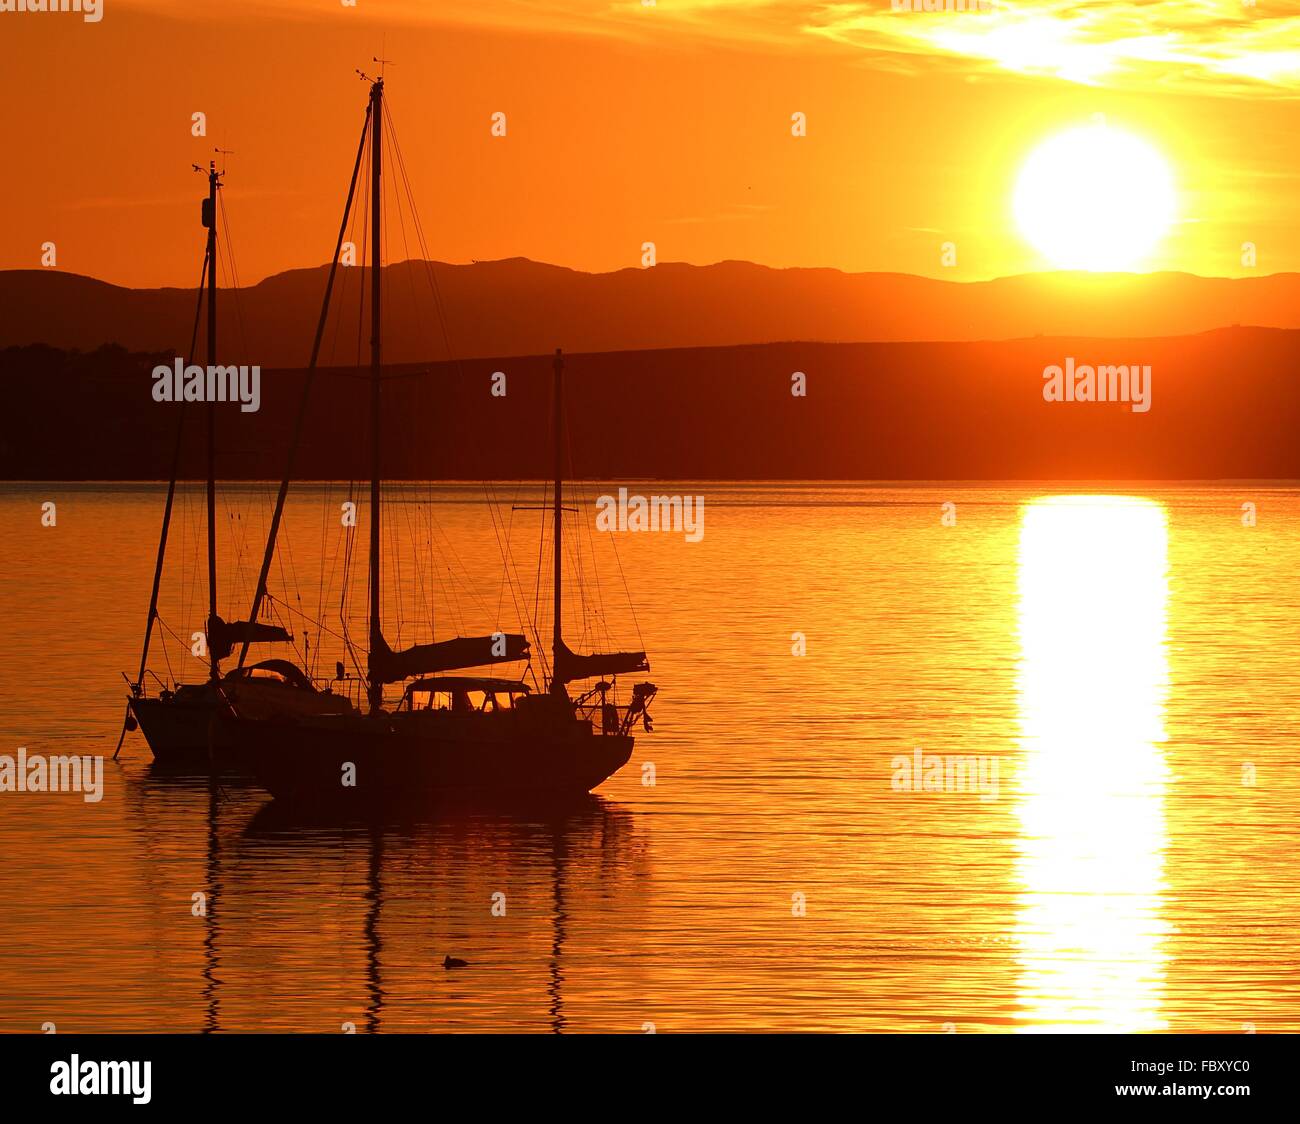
(570,666)
(224,635)
(387,666)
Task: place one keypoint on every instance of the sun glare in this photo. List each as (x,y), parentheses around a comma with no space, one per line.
(1094,198)
(1094,676)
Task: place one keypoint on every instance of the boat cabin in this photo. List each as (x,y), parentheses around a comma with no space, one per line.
(463,694)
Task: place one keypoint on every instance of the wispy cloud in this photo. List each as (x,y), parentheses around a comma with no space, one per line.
(1211,46)
(1223,46)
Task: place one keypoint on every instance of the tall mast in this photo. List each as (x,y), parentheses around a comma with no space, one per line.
(376,685)
(210,220)
(557,685)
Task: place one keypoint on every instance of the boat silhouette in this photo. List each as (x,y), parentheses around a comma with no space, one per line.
(178,719)
(444,732)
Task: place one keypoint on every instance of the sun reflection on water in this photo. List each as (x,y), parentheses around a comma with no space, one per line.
(1092,686)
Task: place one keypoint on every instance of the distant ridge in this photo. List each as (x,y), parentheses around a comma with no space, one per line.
(1223,405)
(521,307)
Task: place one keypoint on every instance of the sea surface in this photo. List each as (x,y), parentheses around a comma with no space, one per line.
(1100,685)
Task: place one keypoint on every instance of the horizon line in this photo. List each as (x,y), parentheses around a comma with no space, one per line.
(1078,275)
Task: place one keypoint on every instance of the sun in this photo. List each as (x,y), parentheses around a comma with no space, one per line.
(1094,198)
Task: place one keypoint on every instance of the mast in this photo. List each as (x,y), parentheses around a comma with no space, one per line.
(210,221)
(557,643)
(376,684)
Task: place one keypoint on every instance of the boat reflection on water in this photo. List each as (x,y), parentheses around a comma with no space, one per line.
(1093,681)
(359,913)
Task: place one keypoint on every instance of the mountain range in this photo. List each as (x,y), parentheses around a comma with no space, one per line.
(520,307)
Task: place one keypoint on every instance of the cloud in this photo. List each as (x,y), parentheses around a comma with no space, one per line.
(1223,47)
(1208,46)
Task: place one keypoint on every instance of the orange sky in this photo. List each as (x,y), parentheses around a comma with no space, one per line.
(630,123)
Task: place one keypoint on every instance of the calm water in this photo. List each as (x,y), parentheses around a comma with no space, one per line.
(1128,660)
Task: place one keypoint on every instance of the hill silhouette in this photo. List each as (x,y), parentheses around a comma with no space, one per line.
(1224,404)
(520,307)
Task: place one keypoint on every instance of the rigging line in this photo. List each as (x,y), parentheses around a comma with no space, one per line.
(171,672)
(422,242)
(601,611)
(171,487)
(397,200)
(353,549)
(574,544)
(338,576)
(450,550)
(422,610)
(445,594)
(424,534)
(503,548)
(229,248)
(290,582)
(454,556)
(590,613)
(519,590)
(282,494)
(583,528)
(440,309)
(361,319)
(287,608)
(363,257)
(631,606)
(231,570)
(511,578)
(537,587)
(519,579)
(420,588)
(326,490)
(411,283)
(191,588)
(342,302)
(285,548)
(358,218)
(347,633)
(395,585)
(439,306)
(427,587)
(436,291)
(501,593)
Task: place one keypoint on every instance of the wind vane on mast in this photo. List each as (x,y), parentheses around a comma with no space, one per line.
(382,64)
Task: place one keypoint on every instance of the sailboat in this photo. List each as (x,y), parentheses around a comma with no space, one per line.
(437,737)
(177,721)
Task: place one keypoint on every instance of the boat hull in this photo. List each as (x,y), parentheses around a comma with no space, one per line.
(181,727)
(385,762)
(178,731)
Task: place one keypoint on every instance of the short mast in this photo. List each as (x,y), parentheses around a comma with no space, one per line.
(376,683)
(210,221)
(557,642)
